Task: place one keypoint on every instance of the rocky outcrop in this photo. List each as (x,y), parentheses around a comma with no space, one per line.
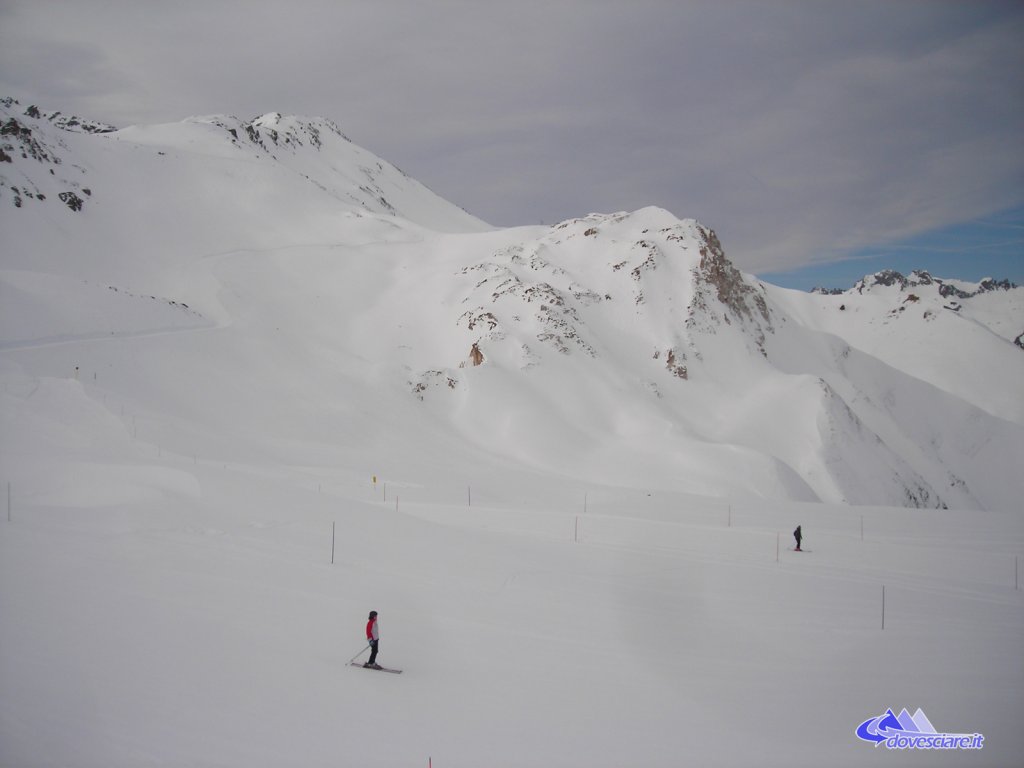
(723,295)
(947,289)
(71,200)
(476,357)
(674,362)
(555,311)
(18,139)
(26,147)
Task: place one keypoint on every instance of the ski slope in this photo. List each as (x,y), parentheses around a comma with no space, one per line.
(171,609)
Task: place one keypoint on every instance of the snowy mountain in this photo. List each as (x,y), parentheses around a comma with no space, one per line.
(626,340)
(255,381)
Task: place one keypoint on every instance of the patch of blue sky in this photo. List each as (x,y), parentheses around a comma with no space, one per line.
(991,246)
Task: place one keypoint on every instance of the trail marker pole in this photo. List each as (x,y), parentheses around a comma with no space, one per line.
(730,516)
(778,539)
(469,496)
(8,501)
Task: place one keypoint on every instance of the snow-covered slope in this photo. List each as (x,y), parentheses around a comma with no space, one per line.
(625,344)
(635,333)
(255,382)
(939,331)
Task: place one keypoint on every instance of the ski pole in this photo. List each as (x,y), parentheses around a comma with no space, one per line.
(358,654)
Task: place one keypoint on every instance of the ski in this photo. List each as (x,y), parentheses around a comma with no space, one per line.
(377,669)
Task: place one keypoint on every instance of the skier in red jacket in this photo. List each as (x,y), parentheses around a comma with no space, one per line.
(373,638)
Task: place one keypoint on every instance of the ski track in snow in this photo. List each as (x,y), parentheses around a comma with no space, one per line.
(112,336)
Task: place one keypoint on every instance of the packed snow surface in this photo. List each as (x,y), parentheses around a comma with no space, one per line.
(257,382)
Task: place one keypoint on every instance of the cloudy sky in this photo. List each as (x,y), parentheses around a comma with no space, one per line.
(812,135)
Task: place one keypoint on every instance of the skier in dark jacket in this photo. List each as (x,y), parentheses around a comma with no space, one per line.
(373,638)
(798,536)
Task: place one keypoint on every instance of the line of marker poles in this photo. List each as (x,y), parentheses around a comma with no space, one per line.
(576,537)
(576,533)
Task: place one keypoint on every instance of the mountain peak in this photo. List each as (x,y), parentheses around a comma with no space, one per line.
(284,130)
(960,289)
(59,119)
(269,132)
(287,149)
